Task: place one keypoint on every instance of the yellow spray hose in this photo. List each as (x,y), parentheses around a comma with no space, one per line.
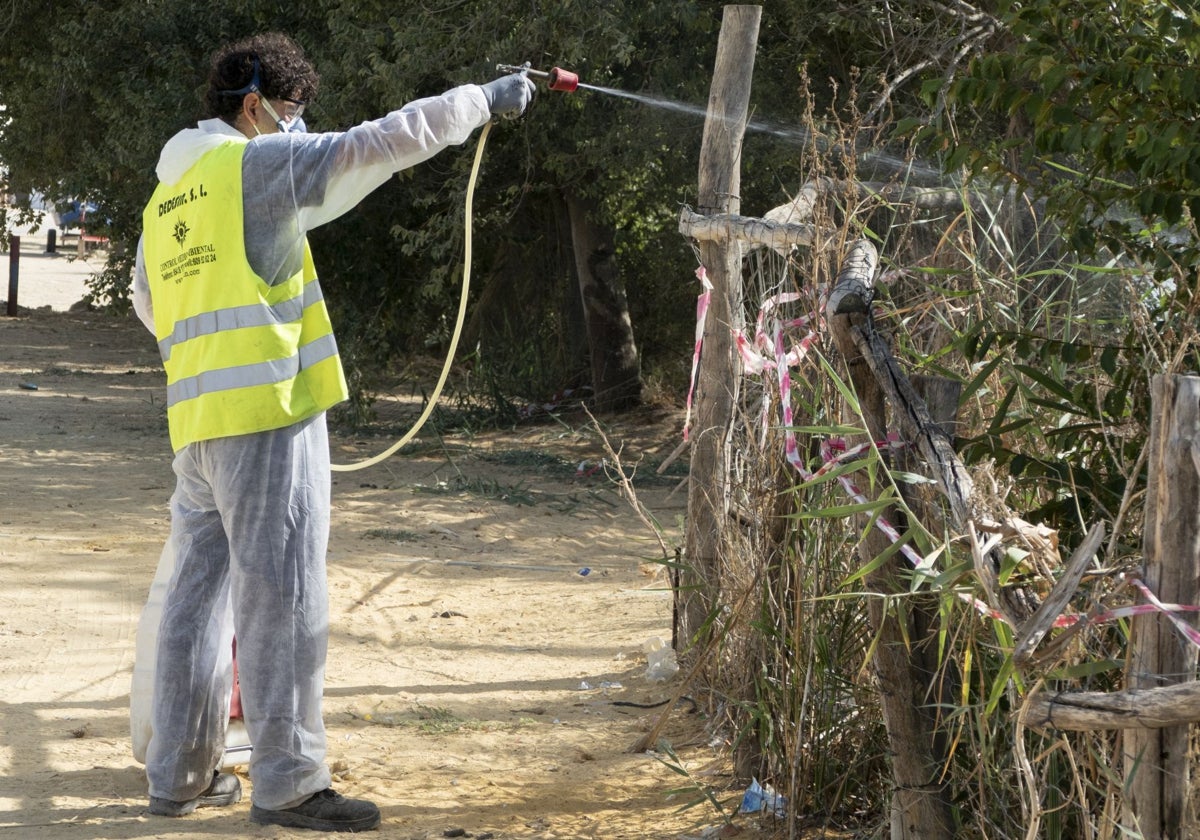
(462,313)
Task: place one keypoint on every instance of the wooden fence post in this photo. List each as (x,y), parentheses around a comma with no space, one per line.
(1157,767)
(14,273)
(717,386)
(919,807)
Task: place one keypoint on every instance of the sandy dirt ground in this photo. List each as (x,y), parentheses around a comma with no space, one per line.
(473,673)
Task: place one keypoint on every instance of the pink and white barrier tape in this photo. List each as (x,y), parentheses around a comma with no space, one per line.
(702,303)
(767,351)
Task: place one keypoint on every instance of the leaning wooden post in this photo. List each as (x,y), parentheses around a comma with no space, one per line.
(920,809)
(940,395)
(1157,768)
(717,386)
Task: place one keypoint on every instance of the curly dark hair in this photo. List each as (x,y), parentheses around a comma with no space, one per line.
(284,72)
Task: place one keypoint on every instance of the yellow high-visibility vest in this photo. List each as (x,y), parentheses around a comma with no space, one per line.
(241,356)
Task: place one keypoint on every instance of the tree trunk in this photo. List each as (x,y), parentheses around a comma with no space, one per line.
(616,368)
(516,288)
(576,355)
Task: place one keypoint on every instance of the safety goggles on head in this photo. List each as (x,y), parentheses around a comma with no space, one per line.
(291,114)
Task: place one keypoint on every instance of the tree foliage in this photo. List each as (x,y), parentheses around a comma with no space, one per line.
(87,111)
(91,90)
(1101,102)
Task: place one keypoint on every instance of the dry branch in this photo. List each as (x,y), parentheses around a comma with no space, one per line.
(948,200)
(727,227)
(1035,629)
(1136,708)
(852,295)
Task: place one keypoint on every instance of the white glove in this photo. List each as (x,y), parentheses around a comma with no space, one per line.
(509,95)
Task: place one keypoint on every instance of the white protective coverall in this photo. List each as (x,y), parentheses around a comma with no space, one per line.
(250,514)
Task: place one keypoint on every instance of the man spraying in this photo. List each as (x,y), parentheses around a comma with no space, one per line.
(225,280)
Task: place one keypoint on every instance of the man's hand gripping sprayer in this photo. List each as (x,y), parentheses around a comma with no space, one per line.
(557,79)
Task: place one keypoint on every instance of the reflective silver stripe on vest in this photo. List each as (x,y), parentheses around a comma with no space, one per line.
(239,317)
(246,376)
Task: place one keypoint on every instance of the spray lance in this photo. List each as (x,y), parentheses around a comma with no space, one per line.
(556,79)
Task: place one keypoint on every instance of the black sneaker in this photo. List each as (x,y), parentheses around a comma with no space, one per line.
(324,811)
(225,789)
